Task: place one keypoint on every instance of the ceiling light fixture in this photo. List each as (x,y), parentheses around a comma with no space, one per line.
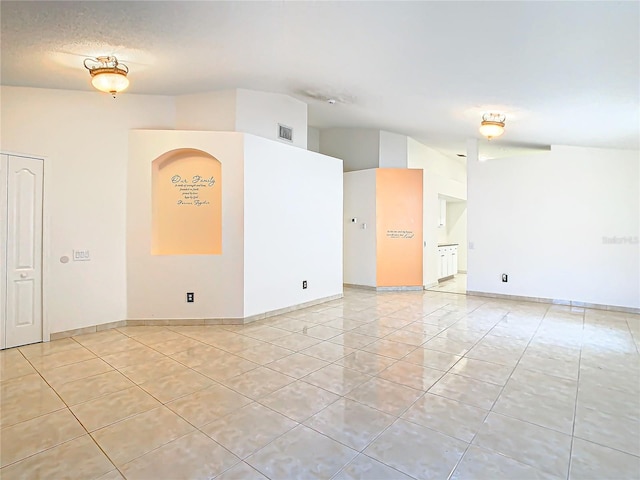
(107,74)
(492,125)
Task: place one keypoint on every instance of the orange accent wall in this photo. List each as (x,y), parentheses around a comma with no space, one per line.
(399,227)
(187,204)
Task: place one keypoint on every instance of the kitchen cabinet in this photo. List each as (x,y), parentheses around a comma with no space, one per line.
(447,261)
(442,214)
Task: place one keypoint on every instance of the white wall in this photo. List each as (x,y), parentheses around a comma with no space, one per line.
(84,137)
(247,111)
(211,111)
(363,148)
(360,244)
(313,139)
(292,226)
(442,176)
(157,284)
(393,150)
(259,113)
(542,220)
(359,148)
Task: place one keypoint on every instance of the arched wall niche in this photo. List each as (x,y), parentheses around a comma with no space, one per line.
(186,203)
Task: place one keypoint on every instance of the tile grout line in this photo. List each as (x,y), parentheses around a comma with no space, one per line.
(133,415)
(575,405)
(445,372)
(498,397)
(633,337)
(162,404)
(398,417)
(70,411)
(453,469)
(361,452)
(218,382)
(335,475)
(383,313)
(81,424)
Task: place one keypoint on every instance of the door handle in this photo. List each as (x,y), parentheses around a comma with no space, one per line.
(23,275)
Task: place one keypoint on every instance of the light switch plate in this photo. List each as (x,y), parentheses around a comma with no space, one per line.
(81,256)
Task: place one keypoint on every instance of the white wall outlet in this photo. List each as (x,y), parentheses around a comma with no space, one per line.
(81,256)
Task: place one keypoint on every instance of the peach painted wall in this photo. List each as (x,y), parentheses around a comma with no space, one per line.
(187,203)
(399,227)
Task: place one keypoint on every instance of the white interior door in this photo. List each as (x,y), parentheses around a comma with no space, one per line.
(4,164)
(23,250)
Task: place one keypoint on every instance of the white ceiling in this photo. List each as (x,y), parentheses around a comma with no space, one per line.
(563,72)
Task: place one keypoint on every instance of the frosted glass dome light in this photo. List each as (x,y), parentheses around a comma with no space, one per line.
(107,74)
(492,125)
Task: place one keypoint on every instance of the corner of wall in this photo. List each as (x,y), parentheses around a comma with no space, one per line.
(393,152)
(210,111)
(313,139)
(260,113)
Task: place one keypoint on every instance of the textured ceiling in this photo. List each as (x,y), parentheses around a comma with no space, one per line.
(564,72)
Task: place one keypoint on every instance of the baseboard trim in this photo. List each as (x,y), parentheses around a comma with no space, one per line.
(273,313)
(385,289)
(411,288)
(444,279)
(553,301)
(191,321)
(292,308)
(360,287)
(90,329)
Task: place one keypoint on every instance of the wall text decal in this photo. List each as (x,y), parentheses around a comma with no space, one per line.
(191,189)
(400,234)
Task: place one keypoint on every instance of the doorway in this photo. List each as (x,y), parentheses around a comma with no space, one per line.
(452,245)
(21,203)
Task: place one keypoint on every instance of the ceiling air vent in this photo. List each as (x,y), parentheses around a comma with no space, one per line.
(285,133)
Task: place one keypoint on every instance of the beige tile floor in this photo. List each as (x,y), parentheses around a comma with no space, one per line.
(372,386)
(457,284)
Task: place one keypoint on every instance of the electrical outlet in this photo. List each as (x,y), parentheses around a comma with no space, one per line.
(190,298)
(304,284)
(505,277)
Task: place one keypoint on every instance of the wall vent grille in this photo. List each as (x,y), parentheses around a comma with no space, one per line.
(285,133)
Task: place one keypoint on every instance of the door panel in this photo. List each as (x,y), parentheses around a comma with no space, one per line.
(4,164)
(23,206)
(24,303)
(24,251)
